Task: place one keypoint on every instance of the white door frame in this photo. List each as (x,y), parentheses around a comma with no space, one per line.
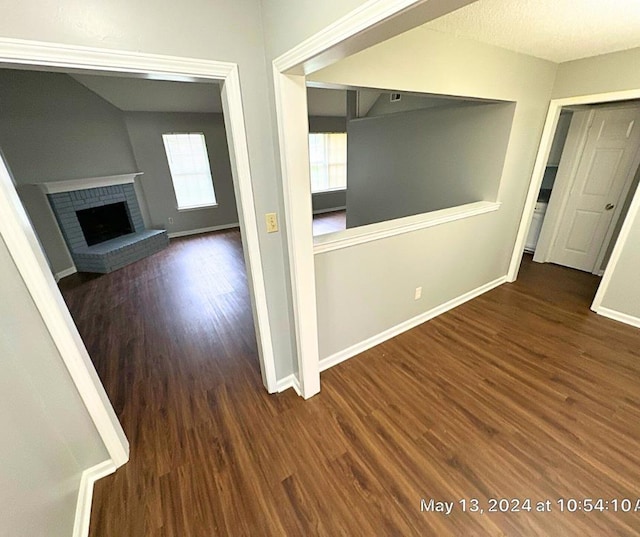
(571,159)
(536,181)
(371,23)
(16,230)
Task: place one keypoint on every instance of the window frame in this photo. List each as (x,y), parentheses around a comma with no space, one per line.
(328,164)
(186,208)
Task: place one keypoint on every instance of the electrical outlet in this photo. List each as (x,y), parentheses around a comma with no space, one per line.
(418,293)
(272,222)
(170,220)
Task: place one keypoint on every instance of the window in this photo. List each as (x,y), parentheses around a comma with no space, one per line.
(328,161)
(190,171)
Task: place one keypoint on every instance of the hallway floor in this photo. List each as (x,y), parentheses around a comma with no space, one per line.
(324,223)
(522,393)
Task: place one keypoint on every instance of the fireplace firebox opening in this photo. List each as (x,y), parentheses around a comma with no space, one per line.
(105,222)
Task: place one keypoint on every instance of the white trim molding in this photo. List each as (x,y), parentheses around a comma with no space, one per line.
(176,234)
(290,381)
(66,272)
(371,23)
(398,329)
(534,187)
(243,182)
(330,210)
(382,230)
(632,213)
(555,106)
(618,316)
(54,187)
(293,136)
(24,248)
(85,495)
(23,245)
(366,16)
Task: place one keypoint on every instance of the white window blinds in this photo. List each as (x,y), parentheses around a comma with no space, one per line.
(328,161)
(190,171)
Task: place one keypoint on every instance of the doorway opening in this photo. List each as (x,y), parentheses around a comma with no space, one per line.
(589,181)
(79,165)
(612,231)
(23,244)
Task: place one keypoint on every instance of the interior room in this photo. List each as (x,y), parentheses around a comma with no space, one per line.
(98,132)
(401,154)
(419,348)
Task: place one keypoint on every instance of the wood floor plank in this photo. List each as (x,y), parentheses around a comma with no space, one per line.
(520,393)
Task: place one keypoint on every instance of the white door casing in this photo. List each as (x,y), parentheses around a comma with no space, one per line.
(31,262)
(601,180)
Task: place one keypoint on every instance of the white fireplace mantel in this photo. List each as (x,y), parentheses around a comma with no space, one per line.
(72,185)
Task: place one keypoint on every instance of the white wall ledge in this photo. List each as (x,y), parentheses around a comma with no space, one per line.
(55,187)
(382,230)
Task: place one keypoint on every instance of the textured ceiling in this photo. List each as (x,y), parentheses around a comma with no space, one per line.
(556,30)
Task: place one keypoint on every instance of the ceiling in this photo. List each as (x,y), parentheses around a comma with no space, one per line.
(555,30)
(144,95)
(372,102)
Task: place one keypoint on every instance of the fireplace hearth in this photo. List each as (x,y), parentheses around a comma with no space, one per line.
(101,222)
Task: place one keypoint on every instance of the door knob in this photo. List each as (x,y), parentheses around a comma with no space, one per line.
(609,206)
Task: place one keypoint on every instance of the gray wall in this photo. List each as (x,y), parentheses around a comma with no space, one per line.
(48,438)
(424,160)
(609,73)
(145,132)
(324,201)
(206,30)
(327,124)
(366,289)
(52,128)
(48,231)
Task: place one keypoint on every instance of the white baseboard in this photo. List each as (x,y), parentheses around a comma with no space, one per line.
(176,234)
(289,382)
(64,273)
(352,351)
(617,316)
(85,495)
(331,210)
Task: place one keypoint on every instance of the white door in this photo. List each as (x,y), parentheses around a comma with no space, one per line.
(602,176)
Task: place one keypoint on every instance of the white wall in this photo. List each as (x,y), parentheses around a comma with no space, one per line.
(225,30)
(418,161)
(366,289)
(608,73)
(145,132)
(48,438)
(288,23)
(623,293)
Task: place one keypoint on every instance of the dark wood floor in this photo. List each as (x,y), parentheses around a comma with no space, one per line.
(329,222)
(520,393)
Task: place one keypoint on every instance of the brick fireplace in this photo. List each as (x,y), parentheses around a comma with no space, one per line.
(101,222)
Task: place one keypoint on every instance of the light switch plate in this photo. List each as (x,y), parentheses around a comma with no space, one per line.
(272,222)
